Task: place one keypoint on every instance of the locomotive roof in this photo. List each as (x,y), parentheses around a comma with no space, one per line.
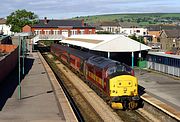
(81,54)
(96,60)
(101,62)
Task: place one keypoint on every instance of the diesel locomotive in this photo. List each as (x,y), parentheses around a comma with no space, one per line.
(116,80)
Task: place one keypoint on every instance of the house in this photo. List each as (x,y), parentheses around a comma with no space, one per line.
(125,28)
(5,29)
(170,39)
(154,32)
(112,27)
(59,27)
(154,36)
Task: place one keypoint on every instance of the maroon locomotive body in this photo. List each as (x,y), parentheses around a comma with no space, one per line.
(105,74)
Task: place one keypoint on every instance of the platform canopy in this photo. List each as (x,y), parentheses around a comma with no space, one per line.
(106,43)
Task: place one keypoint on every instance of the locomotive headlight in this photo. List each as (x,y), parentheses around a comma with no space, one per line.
(125,89)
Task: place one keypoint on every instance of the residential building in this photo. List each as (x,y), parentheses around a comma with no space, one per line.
(59,27)
(154,32)
(112,27)
(5,29)
(134,31)
(170,39)
(155,36)
(125,28)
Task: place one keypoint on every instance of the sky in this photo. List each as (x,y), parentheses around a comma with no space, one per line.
(63,9)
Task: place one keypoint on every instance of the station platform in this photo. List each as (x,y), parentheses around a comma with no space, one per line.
(38,102)
(164,87)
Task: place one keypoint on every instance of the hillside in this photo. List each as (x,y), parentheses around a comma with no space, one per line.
(142,19)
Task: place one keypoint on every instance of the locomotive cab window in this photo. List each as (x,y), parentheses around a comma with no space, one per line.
(121,68)
(111,70)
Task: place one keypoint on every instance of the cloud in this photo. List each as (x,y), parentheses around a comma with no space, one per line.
(72,8)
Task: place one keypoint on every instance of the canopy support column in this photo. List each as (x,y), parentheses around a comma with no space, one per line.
(109,55)
(132,55)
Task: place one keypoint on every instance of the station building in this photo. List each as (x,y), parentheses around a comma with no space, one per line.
(65,28)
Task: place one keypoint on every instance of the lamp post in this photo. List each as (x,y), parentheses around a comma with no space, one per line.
(19,86)
(140,57)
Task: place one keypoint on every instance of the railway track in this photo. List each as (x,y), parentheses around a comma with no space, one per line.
(78,103)
(73,105)
(140,115)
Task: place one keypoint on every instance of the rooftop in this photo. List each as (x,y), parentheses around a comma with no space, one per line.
(172,33)
(50,23)
(162,27)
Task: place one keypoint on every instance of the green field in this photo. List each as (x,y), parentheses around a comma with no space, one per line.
(142,19)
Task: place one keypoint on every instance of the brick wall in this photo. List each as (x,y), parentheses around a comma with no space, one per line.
(26,28)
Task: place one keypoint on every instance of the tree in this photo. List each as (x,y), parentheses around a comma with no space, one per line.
(139,39)
(103,32)
(20,18)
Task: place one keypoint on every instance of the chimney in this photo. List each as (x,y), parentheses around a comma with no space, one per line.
(45,20)
(82,22)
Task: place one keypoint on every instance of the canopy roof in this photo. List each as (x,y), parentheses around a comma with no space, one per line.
(106,43)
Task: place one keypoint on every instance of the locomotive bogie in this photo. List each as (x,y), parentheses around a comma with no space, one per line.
(115,105)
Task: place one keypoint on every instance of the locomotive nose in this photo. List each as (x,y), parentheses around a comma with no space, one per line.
(124,85)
